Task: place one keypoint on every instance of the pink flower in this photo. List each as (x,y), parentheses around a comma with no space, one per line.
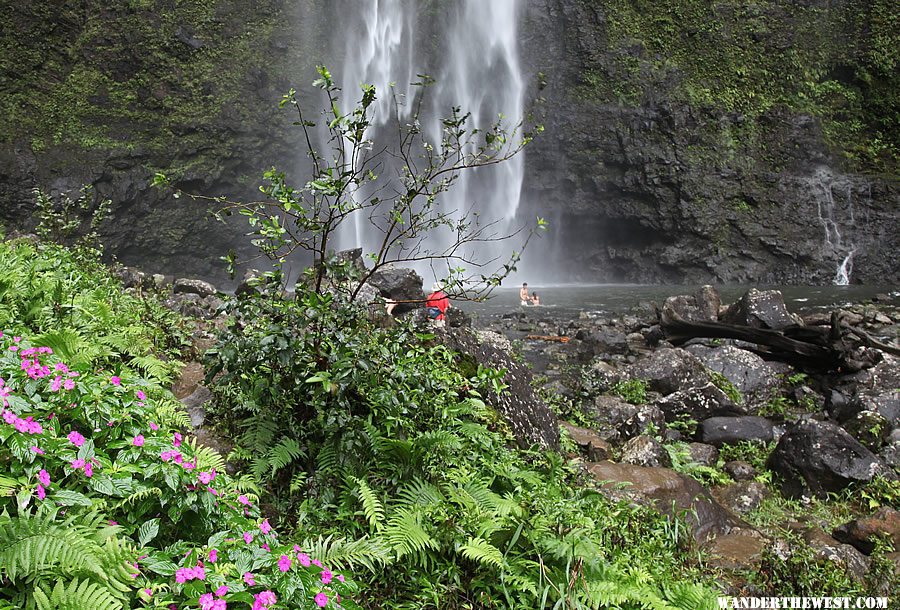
(321,599)
(199,573)
(148,592)
(69,384)
(222,591)
(326,576)
(153,426)
(182,575)
(213,555)
(37,450)
(220,604)
(40,492)
(284,564)
(177,439)
(303,558)
(340,577)
(60,367)
(138,440)
(249,579)
(317,563)
(206,601)
(266,598)
(44,478)
(140,394)
(75,438)
(248,537)
(56,384)
(88,470)
(265,546)
(244,500)
(77,464)
(115,380)
(206,477)
(264,527)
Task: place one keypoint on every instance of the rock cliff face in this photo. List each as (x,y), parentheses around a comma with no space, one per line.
(652,178)
(684,143)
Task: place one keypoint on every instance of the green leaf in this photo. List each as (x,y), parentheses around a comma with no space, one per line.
(67,497)
(148,531)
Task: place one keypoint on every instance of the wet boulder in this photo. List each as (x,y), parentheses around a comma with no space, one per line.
(720,431)
(752,376)
(643,450)
(814,458)
(193,286)
(700,307)
(826,548)
(739,470)
(624,420)
(705,455)
(742,497)
(671,493)
(760,309)
(592,445)
(400,284)
(698,403)
(668,370)
(863,533)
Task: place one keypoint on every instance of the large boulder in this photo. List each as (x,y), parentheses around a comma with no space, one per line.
(863,533)
(531,421)
(671,493)
(760,309)
(191,286)
(645,450)
(700,307)
(742,497)
(591,444)
(753,377)
(668,370)
(720,431)
(400,284)
(814,458)
(698,403)
(621,420)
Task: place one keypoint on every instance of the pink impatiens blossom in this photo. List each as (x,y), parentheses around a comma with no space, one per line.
(264,599)
(206,477)
(264,527)
(88,469)
(153,426)
(56,384)
(325,576)
(222,591)
(206,601)
(284,563)
(77,464)
(37,450)
(177,439)
(115,380)
(317,563)
(321,599)
(138,440)
(213,555)
(303,558)
(75,438)
(44,477)
(41,494)
(69,384)
(248,537)
(140,394)
(244,500)
(249,579)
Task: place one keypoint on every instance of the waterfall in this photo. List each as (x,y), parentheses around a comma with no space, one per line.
(476,68)
(827,212)
(842,277)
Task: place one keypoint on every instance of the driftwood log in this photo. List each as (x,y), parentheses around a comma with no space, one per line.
(836,347)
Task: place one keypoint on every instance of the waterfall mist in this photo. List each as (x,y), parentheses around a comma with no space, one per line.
(470,49)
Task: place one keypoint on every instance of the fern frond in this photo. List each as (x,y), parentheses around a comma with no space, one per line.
(341,553)
(78,595)
(481,551)
(406,536)
(372,506)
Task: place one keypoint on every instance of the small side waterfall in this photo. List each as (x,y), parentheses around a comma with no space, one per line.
(476,69)
(828,209)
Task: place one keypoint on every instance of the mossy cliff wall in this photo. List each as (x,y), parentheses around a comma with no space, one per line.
(693,141)
(107,93)
(686,140)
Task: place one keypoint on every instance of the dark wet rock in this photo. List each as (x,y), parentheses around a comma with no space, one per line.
(624,419)
(250,283)
(591,444)
(401,284)
(130,276)
(742,497)
(890,455)
(870,428)
(670,492)
(814,458)
(193,286)
(643,450)
(698,403)
(739,551)
(530,419)
(705,455)
(739,470)
(720,431)
(668,370)
(700,307)
(864,532)
(457,318)
(753,377)
(760,309)
(828,549)
(874,389)
(604,341)
(195,405)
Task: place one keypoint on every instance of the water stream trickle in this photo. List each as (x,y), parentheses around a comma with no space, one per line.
(476,68)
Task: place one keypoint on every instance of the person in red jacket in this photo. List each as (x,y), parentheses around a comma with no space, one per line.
(437,303)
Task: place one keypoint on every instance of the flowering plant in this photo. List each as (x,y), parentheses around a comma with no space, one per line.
(76,443)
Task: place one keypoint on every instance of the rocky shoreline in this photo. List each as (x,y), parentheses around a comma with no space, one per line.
(761,459)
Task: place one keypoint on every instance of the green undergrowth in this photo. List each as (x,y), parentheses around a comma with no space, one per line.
(106,501)
(373,440)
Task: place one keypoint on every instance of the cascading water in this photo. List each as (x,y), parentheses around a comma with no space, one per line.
(478,71)
(827,211)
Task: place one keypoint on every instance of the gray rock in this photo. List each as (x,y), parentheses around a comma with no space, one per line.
(401,284)
(760,309)
(668,370)
(863,533)
(739,551)
(870,428)
(742,497)
(890,455)
(814,458)
(698,403)
(250,283)
(701,307)
(645,450)
(192,286)
(739,470)
(828,549)
(195,405)
(671,493)
(624,419)
(753,377)
(705,455)
(719,431)
(591,444)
